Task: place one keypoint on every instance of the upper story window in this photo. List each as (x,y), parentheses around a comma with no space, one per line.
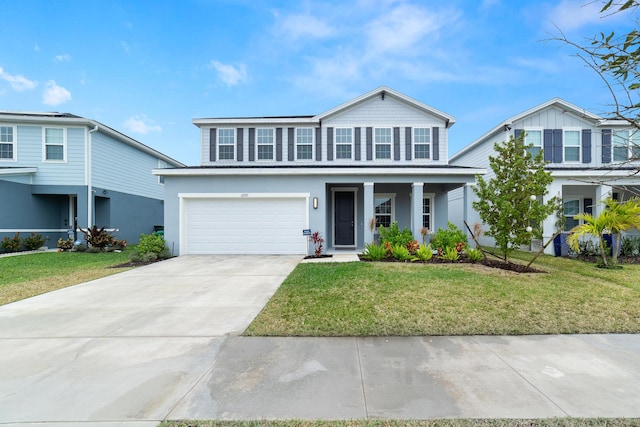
(55,144)
(626,145)
(422,143)
(572,145)
(533,140)
(265,144)
(304,143)
(344,143)
(161,165)
(384,209)
(382,142)
(7,143)
(226,144)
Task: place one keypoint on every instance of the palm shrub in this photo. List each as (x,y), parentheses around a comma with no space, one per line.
(474,254)
(424,252)
(374,252)
(450,254)
(401,253)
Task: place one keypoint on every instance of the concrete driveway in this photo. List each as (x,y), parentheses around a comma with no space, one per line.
(128,347)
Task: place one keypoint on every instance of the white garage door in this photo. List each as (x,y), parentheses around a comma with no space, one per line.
(244,224)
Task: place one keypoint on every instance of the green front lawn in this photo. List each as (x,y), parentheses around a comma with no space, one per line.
(24,276)
(378,299)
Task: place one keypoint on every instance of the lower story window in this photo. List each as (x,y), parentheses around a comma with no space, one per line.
(426,213)
(383,207)
(571,209)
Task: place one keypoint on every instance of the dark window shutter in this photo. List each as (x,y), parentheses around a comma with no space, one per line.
(318,144)
(606,145)
(279,144)
(252,144)
(547,145)
(586,146)
(557,146)
(588,206)
(290,144)
(213,134)
(435,143)
(369,143)
(329,143)
(240,143)
(396,143)
(517,133)
(357,148)
(407,143)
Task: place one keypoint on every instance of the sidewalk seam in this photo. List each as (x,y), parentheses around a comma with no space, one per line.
(364,393)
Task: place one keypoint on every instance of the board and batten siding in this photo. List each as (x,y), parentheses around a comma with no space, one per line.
(373,113)
(30,154)
(119,167)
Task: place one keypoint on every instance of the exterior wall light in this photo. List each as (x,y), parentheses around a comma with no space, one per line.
(315,203)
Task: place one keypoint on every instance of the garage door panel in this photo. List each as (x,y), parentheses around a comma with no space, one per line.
(245,225)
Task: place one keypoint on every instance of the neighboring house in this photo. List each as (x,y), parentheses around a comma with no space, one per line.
(379,158)
(588,156)
(59,171)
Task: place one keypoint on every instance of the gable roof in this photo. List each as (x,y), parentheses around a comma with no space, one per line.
(384,91)
(554,102)
(73,120)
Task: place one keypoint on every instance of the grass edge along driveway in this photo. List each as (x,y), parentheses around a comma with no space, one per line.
(404,299)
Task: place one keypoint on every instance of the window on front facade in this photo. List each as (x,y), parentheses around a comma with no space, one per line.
(571,145)
(571,209)
(226,144)
(426,212)
(265,144)
(422,143)
(626,145)
(533,138)
(54,144)
(383,206)
(344,143)
(304,143)
(382,142)
(7,143)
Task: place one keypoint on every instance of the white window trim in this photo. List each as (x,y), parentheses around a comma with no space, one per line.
(44,144)
(564,145)
(634,138)
(218,144)
(535,129)
(273,144)
(580,200)
(14,143)
(335,145)
(313,144)
(390,143)
(391,196)
(431,197)
(413,143)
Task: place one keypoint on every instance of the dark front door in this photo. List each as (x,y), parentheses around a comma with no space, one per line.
(344,218)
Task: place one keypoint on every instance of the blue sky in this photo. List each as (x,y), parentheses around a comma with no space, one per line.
(147,68)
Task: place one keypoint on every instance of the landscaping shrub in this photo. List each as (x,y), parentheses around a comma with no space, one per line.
(424,252)
(151,247)
(400,252)
(97,237)
(374,252)
(474,254)
(452,237)
(317,240)
(12,244)
(394,236)
(630,246)
(450,254)
(65,245)
(34,241)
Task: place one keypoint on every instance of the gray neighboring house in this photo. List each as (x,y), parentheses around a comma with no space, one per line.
(58,171)
(588,156)
(379,158)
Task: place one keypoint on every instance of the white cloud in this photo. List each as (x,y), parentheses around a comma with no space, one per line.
(297,26)
(62,58)
(140,124)
(18,82)
(230,74)
(569,15)
(55,95)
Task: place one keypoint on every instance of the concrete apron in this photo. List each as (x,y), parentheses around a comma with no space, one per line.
(128,347)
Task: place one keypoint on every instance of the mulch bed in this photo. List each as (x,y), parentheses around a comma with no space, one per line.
(509,266)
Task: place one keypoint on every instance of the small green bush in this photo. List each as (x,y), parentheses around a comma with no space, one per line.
(394,236)
(452,237)
(374,252)
(424,252)
(34,241)
(474,254)
(12,244)
(65,245)
(630,246)
(400,252)
(450,254)
(150,248)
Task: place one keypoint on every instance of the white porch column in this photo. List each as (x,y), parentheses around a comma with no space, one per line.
(549,224)
(602,192)
(417,193)
(369,214)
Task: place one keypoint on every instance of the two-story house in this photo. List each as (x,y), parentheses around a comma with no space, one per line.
(379,158)
(59,171)
(587,155)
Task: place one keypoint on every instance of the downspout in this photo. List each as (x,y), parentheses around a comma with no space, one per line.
(89,180)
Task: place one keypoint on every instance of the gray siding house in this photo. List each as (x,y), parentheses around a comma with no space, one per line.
(59,171)
(590,159)
(379,158)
